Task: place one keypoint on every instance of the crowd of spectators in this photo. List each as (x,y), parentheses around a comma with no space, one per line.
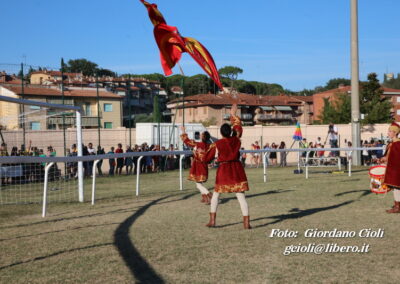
(128,165)
(34,172)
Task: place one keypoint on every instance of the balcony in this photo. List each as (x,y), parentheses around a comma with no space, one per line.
(243,116)
(87,121)
(278,116)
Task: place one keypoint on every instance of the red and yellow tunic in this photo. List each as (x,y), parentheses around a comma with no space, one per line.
(392,175)
(199,168)
(231,176)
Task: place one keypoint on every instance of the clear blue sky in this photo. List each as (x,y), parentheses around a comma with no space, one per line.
(298,44)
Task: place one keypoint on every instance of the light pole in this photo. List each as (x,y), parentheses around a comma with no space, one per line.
(355,97)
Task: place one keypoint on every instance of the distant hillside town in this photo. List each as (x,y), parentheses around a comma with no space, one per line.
(111,102)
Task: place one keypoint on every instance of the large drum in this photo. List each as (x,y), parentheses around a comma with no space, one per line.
(377,174)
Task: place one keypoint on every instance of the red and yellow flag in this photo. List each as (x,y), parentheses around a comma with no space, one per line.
(201,55)
(154,14)
(171,46)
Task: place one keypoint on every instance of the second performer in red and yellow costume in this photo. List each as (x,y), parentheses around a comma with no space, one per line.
(199,168)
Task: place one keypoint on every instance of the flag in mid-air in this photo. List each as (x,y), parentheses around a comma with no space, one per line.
(171,45)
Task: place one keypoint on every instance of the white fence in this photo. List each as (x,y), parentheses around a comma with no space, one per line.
(18,162)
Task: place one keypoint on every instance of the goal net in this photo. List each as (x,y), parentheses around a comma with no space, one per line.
(37,129)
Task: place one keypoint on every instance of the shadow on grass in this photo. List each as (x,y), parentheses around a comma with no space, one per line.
(297,213)
(226,200)
(139,267)
(58,231)
(364,192)
(54,254)
(117,211)
(350,180)
(124,210)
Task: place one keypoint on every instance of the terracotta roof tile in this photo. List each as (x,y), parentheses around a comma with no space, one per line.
(240,99)
(348,89)
(35,91)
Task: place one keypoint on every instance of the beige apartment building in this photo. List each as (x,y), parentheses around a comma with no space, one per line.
(50,77)
(107,108)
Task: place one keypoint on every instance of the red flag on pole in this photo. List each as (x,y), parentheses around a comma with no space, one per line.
(171,46)
(154,14)
(201,55)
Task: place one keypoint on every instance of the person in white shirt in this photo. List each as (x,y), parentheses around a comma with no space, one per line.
(333,137)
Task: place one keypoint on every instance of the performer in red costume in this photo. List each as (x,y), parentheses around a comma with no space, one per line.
(199,168)
(230,173)
(392,160)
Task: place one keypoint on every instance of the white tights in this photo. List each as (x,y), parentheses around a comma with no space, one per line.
(202,188)
(396,194)
(240,197)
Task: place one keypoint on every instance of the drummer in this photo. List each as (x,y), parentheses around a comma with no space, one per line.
(392,160)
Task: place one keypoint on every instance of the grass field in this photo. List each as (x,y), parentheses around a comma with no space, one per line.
(160,236)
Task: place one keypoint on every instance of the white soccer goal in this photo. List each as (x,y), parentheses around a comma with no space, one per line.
(25,126)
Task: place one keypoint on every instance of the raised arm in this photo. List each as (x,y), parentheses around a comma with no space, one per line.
(185,138)
(235,121)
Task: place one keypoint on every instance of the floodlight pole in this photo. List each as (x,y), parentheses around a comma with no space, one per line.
(355,97)
(23,106)
(80,153)
(63,102)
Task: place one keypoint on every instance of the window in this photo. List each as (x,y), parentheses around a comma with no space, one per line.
(52,126)
(398,99)
(34,107)
(88,111)
(398,112)
(108,108)
(35,125)
(107,125)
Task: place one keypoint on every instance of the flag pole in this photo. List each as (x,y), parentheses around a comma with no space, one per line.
(183,96)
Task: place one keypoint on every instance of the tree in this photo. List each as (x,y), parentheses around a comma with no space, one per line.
(336,82)
(247,88)
(85,66)
(393,82)
(373,105)
(328,112)
(104,72)
(156,110)
(337,111)
(230,72)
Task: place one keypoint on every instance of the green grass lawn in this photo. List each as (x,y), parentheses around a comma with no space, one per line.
(160,237)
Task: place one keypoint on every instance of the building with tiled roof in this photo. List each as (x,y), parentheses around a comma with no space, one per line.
(393,95)
(9,79)
(138,93)
(103,105)
(41,77)
(282,109)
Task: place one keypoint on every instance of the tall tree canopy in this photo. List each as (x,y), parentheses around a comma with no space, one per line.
(85,66)
(373,105)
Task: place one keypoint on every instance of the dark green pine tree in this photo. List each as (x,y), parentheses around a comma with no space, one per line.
(156,110)
(373,105)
